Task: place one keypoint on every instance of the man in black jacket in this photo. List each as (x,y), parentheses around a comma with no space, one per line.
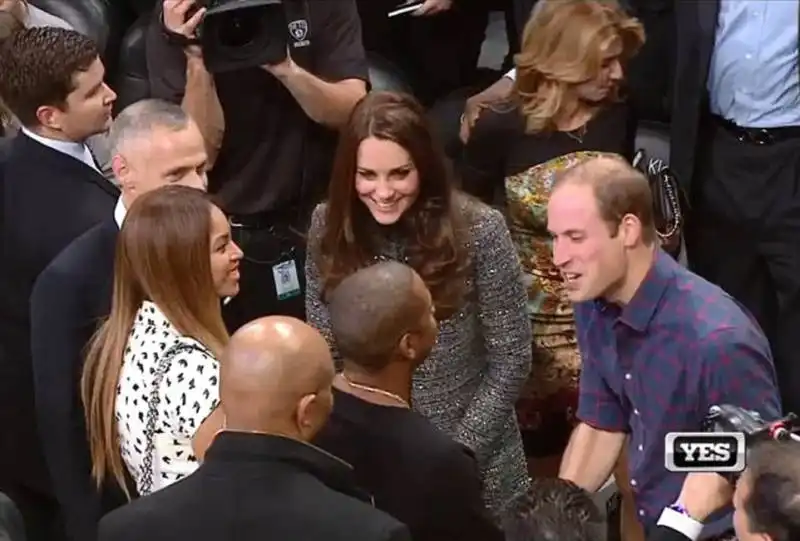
(154,143)
(260,479)
(51,79)
(382,320)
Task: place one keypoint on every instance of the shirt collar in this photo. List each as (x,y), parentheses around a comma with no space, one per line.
(119,212)
(638,313)
(79,151)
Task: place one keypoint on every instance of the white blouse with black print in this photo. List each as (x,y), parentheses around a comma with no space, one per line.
(188,393)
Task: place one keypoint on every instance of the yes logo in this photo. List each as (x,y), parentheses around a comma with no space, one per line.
(703,451)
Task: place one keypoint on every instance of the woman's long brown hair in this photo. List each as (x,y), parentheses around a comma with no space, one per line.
(432,228)
(163,255)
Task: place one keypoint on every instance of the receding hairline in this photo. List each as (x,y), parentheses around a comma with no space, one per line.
(142,118)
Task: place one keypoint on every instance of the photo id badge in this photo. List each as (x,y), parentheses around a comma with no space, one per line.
(287,285)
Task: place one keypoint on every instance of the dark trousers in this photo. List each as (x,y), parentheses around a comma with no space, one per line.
(744,235)
(266,246)
(437,53)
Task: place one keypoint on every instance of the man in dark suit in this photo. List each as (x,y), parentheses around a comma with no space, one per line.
(260,478)
(735,140)
(155,143)
(51,79)
(382,320)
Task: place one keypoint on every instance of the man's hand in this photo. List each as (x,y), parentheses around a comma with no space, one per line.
(175,20)
(281,69)
(703,493)
(472,110)
(432,7)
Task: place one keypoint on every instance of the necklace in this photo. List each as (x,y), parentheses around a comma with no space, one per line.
(578,134)
(375,390)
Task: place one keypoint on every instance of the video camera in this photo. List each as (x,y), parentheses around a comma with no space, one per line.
(729,418)
(239,34)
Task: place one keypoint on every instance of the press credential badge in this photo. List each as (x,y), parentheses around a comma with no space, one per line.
(287,285)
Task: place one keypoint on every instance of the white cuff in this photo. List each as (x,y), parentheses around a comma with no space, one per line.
(680,523)
(512,74)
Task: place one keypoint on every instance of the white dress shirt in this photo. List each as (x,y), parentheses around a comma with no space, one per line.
(680,523)
(79,151)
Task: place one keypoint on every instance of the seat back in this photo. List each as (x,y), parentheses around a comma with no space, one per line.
(89,17)
(131,82)
(385,76)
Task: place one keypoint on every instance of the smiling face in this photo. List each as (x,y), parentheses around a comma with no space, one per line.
(590,256)
(225,256)
(387,181)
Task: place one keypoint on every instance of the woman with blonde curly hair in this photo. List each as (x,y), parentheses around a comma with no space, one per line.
(566,106)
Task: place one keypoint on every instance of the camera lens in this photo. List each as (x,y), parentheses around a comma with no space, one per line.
(237,29)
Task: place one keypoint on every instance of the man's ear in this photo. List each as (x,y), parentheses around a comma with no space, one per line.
(50,117)
(408,346)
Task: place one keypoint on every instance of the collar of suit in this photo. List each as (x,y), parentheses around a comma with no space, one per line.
(230,447)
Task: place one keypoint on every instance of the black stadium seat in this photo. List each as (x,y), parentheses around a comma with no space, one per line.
(130,82)
(384,75)
(104,21)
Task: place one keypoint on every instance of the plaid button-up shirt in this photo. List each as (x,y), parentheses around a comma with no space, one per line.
(656,366)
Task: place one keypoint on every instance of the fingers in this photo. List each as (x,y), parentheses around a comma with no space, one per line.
(194,21)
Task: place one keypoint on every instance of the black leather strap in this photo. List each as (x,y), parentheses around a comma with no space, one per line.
(178,40)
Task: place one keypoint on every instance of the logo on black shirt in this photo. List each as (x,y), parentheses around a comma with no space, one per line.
(299,31)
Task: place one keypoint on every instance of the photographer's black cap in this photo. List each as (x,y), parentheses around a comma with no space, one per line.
(221,6)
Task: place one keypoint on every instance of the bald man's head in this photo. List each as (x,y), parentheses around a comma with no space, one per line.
(382,313)
(276,377)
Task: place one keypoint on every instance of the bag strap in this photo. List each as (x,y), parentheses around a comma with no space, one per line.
(153,402)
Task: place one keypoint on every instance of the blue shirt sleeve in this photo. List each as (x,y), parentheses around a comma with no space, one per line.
(598,405)
(738,370)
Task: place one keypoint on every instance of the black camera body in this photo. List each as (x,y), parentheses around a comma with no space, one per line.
(729,418)
(239,34)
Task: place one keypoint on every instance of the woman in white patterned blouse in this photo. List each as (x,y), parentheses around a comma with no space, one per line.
(150,383)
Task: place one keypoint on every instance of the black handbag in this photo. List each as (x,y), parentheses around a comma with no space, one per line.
(668,201)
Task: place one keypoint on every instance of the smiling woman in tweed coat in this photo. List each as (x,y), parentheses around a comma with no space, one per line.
(391,198)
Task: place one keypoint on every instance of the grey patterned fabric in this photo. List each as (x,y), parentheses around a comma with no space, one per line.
(468,385)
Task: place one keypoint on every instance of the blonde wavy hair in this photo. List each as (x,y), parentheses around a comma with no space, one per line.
(566,43)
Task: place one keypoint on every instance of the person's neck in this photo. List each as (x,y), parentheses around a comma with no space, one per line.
(576,115)
(395,378)
(54,135)
(641,261)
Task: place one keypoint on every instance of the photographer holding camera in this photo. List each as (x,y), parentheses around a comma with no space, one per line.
(766,498)
(280,78)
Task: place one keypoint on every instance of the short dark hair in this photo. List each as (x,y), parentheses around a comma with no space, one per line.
(773,504)
(554,510)
(619,189)
(370,310)
(37,67)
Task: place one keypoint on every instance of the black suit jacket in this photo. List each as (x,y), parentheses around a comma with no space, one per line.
(69,300)
(49,199)
(696,27)
(665,533)
(256,487)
